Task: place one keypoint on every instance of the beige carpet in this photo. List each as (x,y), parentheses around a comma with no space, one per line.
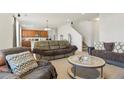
(110,71)
(61,66)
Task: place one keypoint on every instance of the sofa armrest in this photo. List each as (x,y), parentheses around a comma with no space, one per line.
(90,50)
(74,47)
(43,63)
(37,51)
(5,75)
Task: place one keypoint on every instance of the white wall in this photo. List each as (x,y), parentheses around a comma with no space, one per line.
(96,29)
(89,31)
(53,33)
(6,31)
(86,30)
(112,27)
(76,37)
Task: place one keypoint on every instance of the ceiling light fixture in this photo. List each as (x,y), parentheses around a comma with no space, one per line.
(82,13)
(18,14)
(97,19)
(47,27)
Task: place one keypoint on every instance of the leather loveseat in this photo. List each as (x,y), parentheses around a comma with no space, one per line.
(50,49)
(45,69)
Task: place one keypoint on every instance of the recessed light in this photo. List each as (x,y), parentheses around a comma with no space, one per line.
(97,19)
(19,15)
(68,20)
(82,13)
(25,15)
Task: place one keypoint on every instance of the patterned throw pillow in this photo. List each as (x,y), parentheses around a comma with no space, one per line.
(21,63)
(119,47)
(99,46)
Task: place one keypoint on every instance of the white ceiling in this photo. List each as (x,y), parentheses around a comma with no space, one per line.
(38,20)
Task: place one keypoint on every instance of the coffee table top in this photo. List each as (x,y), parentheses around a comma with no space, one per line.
(93,62)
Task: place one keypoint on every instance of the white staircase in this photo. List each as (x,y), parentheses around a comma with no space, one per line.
(67,31)
(84,45)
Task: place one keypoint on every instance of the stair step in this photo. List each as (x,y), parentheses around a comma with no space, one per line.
(84,49)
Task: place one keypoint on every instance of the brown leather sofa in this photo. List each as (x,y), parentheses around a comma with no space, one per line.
(45,69)
(50,49)
(109,56)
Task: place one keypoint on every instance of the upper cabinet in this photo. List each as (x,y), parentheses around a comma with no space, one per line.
(34,33)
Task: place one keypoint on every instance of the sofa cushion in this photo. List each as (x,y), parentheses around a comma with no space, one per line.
(109,46)
(64,44)
(54,47)
(44,71)
(54,44)
(119,57)
(38,51)
(119,47)
(43,62)
(21,63)
(5,75)
(61,51)
(42,45)
(104,54)
(99,45)
(38,73)
(99,53)
(48,53)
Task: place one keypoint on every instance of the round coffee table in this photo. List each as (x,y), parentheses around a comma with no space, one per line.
(92,63)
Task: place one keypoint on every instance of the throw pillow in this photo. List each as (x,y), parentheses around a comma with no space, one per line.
(109,46)
(99,46)
(21,63)
(119,47)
